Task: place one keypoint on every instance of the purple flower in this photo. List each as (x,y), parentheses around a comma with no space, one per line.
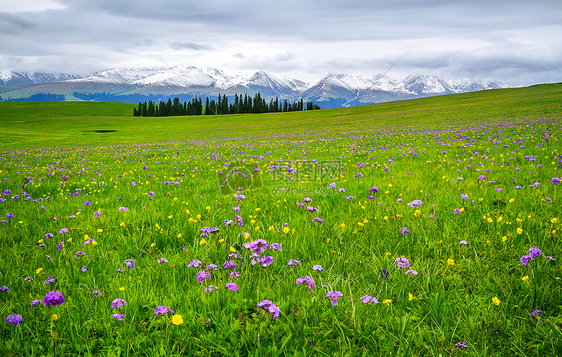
(239,197)
(83,269)
(118,303)
(317,219)
(10,216)
(461,345)
(264,261)
(163,310)
(79,254)
(415,203)
(212,267)
(334,295)
(349,198)
(130,263)
(332,185)
(35,303)
(120,270)
(49,280)
(13,319)
(402,262)
(96,292)
(63,230)
(194,263)
(463,242)
(234,274)
(534,252)
(317,267)
(464,197)
(236,208)
(384,273)
(97,214)
(162,260)
(293,263)
(411,271)
(555,180)
(118,317)
(53,298)
(123,209)
(49,235)
(257,246)
(5,289)
(211,288)
(28,278)
(270,307)
(369,299)
(229,265)
(457,211)
(404,230)
(308,280)
(525,259)
(373,190)
(275,246)
(202,275)
(231,286)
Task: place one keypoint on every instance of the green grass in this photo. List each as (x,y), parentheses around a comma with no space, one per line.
(36,125)
(436,150)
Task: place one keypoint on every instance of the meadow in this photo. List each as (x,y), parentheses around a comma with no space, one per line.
(419,228)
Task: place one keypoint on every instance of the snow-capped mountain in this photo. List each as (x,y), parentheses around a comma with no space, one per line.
(159,83)
(15,78)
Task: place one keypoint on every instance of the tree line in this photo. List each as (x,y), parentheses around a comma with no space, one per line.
(241,104)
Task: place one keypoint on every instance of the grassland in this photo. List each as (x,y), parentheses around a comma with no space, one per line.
(37,125)
(418,228)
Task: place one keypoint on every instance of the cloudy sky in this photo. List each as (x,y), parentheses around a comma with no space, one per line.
(516,42)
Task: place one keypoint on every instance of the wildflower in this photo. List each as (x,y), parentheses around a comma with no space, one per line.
(308,280)
(384,273)
(4,289)
(35,303)
(83,269)
(194,263)
(13,319)
(519,230)
(118,317)
(387,301)
(163,310)
(404,230)
(130,263)
(49,280)
(10,216)
(96,292)
(373,190)
(369,299)
(209,289)
(162,260)
(415,203)
(317,219)
(317,267)
(55,317)
(234,274)
(332,185)
(451,261)
(286,230)
(177,319)
(275,246)
(464,197)
(334,295)
(270,307)
(28,278)
(534,252)
(293,263)
(231,286)
(79,254)
(410,297)
(410,271)
(402,262)
(463,242)
(496,301)
(53,298)
(461,345)
(456,211)
(536,315)
(118,303)
(212,267)
(349,198)
(202,275)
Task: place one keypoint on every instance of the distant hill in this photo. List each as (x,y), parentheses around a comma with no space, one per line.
(186,82)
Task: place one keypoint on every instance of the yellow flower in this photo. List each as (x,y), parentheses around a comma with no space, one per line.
(525,278)
(512,200)
(55,317)
(38,270)
(496,301)
(519,220)
(417,212)
(208,208)
(122,224)
(342,226)
(389,185)
(153,245)
(99,230)
(232,249)
(257,228)
(519,231)
(179,235)
(202,241)
(451,261)
(122,288)
(285,230)
(490,220)
(554,220)
(504,238)
(198,216)
(388,254)
(271,229)
(177,320)
(410,297)
(69,240)
(170,216)
(187,211)
(387,301)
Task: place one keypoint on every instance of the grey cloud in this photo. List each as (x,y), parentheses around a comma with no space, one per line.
(190,46)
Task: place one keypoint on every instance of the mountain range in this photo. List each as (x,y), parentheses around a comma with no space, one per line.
(160,83)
